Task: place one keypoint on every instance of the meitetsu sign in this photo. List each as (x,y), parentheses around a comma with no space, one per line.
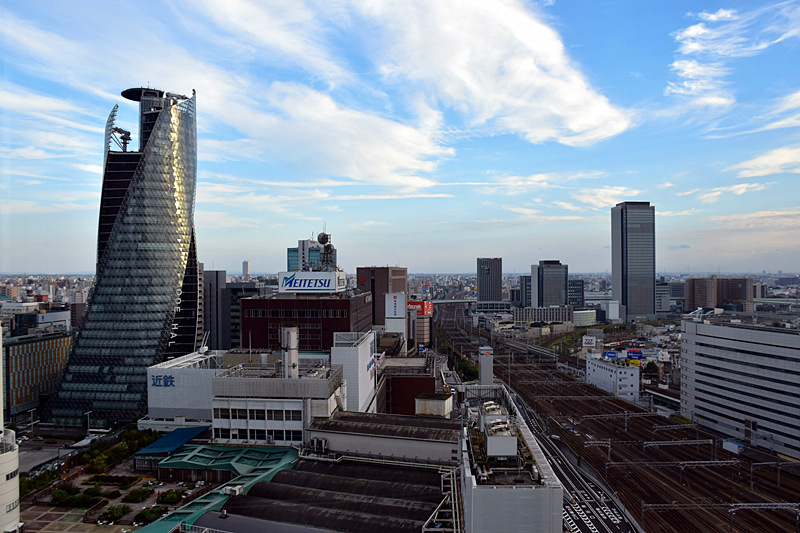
(311,281)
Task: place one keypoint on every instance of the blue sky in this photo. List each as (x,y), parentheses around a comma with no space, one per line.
(424,134)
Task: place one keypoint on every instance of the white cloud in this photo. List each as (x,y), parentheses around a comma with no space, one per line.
(665,185)
(209,220)
(568,206)
(514,185)
(777,161)
(497,64)
(739,189)
(721,14)
(687,212)
(27,207)
(705,47)
(686,193)
(371,223)
(92,169)
(291,32)
(786,219)
(607,196)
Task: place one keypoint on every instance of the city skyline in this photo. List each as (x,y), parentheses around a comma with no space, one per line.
(421,135)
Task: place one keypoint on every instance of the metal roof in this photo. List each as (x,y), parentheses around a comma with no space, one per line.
(170,442)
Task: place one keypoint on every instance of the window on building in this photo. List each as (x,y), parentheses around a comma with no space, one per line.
(258,414)
(276,434)
(274,414)
(224,433)
(294,415)
(294,436)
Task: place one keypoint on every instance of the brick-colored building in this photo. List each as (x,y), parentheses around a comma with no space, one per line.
(318,317)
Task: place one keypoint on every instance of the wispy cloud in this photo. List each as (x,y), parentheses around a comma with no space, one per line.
(208,220)
(568,206)
(705,48)
(686,193)
(687,212)
(603,197)
(665,185)
(777,161)
(782,219)
(739,189)
(515,185)
(498,64)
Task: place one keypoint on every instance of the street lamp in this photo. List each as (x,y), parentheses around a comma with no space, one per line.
(87,420)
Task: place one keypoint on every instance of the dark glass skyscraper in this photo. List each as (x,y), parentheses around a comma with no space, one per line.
(144,304)
(633,258)
(549,284)
(490,279)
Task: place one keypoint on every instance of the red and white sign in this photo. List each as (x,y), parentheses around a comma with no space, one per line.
(423,308)
(588,342)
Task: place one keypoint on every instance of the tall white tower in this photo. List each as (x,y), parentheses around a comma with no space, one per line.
(9,467)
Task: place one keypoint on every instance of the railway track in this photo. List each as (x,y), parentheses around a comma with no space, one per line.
(710,488)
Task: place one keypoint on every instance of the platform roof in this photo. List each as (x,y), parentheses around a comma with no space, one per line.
(170,442)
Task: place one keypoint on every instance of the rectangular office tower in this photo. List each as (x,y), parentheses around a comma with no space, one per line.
(490,279)
(549,284)
(633,259)
(145,304)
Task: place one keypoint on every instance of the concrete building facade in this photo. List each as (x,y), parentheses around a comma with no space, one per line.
(614,377)
(742,381)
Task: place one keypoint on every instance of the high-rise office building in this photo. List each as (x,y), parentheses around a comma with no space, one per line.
(633,259)
(309,255)
(490,279)
(381,281)
(246,270)
(549,284)
(144,305)
(575,293)
(525,290)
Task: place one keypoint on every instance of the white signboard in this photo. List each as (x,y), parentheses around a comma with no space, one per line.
(311,281)
(588,342)
(396,305)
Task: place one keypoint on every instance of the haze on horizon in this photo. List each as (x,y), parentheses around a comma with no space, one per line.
(422,134)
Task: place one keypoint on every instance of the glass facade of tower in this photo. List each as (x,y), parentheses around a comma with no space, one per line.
(633,258)
(144,305)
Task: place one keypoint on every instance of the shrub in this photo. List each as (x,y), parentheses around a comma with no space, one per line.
(30,484)
(98,464)
(170,496)
(115,512)
(111,494)
(125,486)
(104,479)
(93,491)
(149,515)
(137,495)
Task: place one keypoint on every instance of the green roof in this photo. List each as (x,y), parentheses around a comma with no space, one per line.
(253,465)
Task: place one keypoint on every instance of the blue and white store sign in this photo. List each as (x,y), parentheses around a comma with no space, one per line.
(311,281)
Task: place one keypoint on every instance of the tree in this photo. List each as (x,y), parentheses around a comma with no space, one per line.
(652,368)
